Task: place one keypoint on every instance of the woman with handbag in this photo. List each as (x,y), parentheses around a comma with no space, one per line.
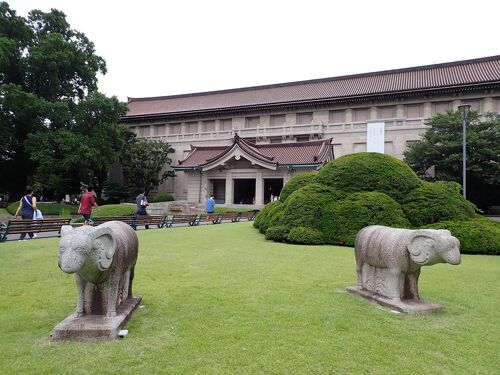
(27,206)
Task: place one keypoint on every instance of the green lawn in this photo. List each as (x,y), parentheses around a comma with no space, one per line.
(220,299)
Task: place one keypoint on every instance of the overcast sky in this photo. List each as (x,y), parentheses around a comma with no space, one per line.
(155,48)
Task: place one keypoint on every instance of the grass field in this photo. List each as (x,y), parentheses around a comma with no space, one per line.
(220,299)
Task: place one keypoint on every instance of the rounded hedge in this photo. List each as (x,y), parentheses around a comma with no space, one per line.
(306,207)
(163,197)
(277,233)
(347,217)
(264,216)
(307,236)
(476,236)
(295,183)
(54,209)
(434,202)
(369,171)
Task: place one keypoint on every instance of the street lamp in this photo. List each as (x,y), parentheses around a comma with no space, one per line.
(464,110)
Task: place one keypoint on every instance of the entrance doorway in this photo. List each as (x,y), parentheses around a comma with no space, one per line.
(218,190)
(272,188)
(244,191)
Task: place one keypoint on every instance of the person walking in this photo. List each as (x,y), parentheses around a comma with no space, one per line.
(210,205)
(27,206)
(142,202)
(86,204)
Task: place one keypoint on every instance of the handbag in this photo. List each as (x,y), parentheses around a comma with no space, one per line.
(37,214)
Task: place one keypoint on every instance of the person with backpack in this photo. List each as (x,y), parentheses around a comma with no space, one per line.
(27,206)
(142,202)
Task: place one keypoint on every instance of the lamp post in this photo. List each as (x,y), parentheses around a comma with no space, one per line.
(464,110)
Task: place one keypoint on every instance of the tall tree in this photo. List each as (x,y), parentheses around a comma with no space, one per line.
(144,162)
(53,124)
(441,147)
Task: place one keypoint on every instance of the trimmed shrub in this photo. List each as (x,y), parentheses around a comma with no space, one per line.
(303,235)
(262,220)
(54,209)
(277,233)
(296,182)
(476,236)
(124,209)
(307,206)
(347,217)
(434,202)
(163,197)
(369,171)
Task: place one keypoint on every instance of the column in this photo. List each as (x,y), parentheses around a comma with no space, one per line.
(259,188)
(229,188)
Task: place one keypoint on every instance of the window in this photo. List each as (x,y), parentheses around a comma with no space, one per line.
(304,118)
(159,130)
(208,126)
(475,105)
(337,117)
(144,131)
(192,127)
(277,120)
(226,124)
(175,128)
(441,107)
(414,111)
(302,138)
(361,114)
(497,105)
(252,122)
(387,112)
(275,140)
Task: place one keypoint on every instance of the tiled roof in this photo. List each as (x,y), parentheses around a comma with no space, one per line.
(299,153)
(430,77)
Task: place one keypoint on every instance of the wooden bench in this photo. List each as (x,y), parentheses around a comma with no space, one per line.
(143,220)
(180,219)
(102,219)
(233,216)
(18,226)
(208,218)
(249,215)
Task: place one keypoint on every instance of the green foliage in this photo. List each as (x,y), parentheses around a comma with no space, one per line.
(441,147)
(433,202)
(296,182)
(308,206)
(262,220)
(476,236)
(277,233)
(369,171)
(163,197)
(345,218)
(116,191)
(143,162)
(124,209)
(60,209)
(221,210)
(303,235)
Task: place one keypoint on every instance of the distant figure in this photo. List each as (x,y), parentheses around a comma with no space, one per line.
(142,202)
(27,206)
(210,205)
(86,204)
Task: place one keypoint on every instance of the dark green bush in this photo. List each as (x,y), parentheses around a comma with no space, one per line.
(369,171)
(52,209)
(163,197)
(476,236)
(347,217)
(308,236)
(434,202)
(307,206)
(262,220)
(277,233)
(296,182)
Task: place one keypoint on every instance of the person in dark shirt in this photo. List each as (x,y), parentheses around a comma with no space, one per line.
(27,206)
(142,202)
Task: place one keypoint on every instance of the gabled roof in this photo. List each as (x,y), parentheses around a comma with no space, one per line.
(467,73)
(270,156)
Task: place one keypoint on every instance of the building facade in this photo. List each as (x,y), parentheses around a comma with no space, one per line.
(338,109)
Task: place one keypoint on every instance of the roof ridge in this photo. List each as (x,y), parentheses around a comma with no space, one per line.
(318,80)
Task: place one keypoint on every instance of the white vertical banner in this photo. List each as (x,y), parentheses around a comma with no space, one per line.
(375,137)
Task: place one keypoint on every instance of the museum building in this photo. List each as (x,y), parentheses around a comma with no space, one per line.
(242,145)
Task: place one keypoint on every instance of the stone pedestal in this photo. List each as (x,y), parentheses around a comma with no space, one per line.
(95,327)
(404,306)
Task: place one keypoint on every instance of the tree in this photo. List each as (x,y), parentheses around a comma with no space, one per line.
(144,162)
(441,147)
(54,126)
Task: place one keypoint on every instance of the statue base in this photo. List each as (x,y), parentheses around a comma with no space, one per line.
(404,306)
(95,327)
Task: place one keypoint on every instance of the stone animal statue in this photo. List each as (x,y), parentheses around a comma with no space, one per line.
(388,260)
(103,260)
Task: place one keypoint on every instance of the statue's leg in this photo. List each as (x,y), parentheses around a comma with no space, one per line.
(359,268)
(80,286)
(394,284)
(112,295)
(413,285)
